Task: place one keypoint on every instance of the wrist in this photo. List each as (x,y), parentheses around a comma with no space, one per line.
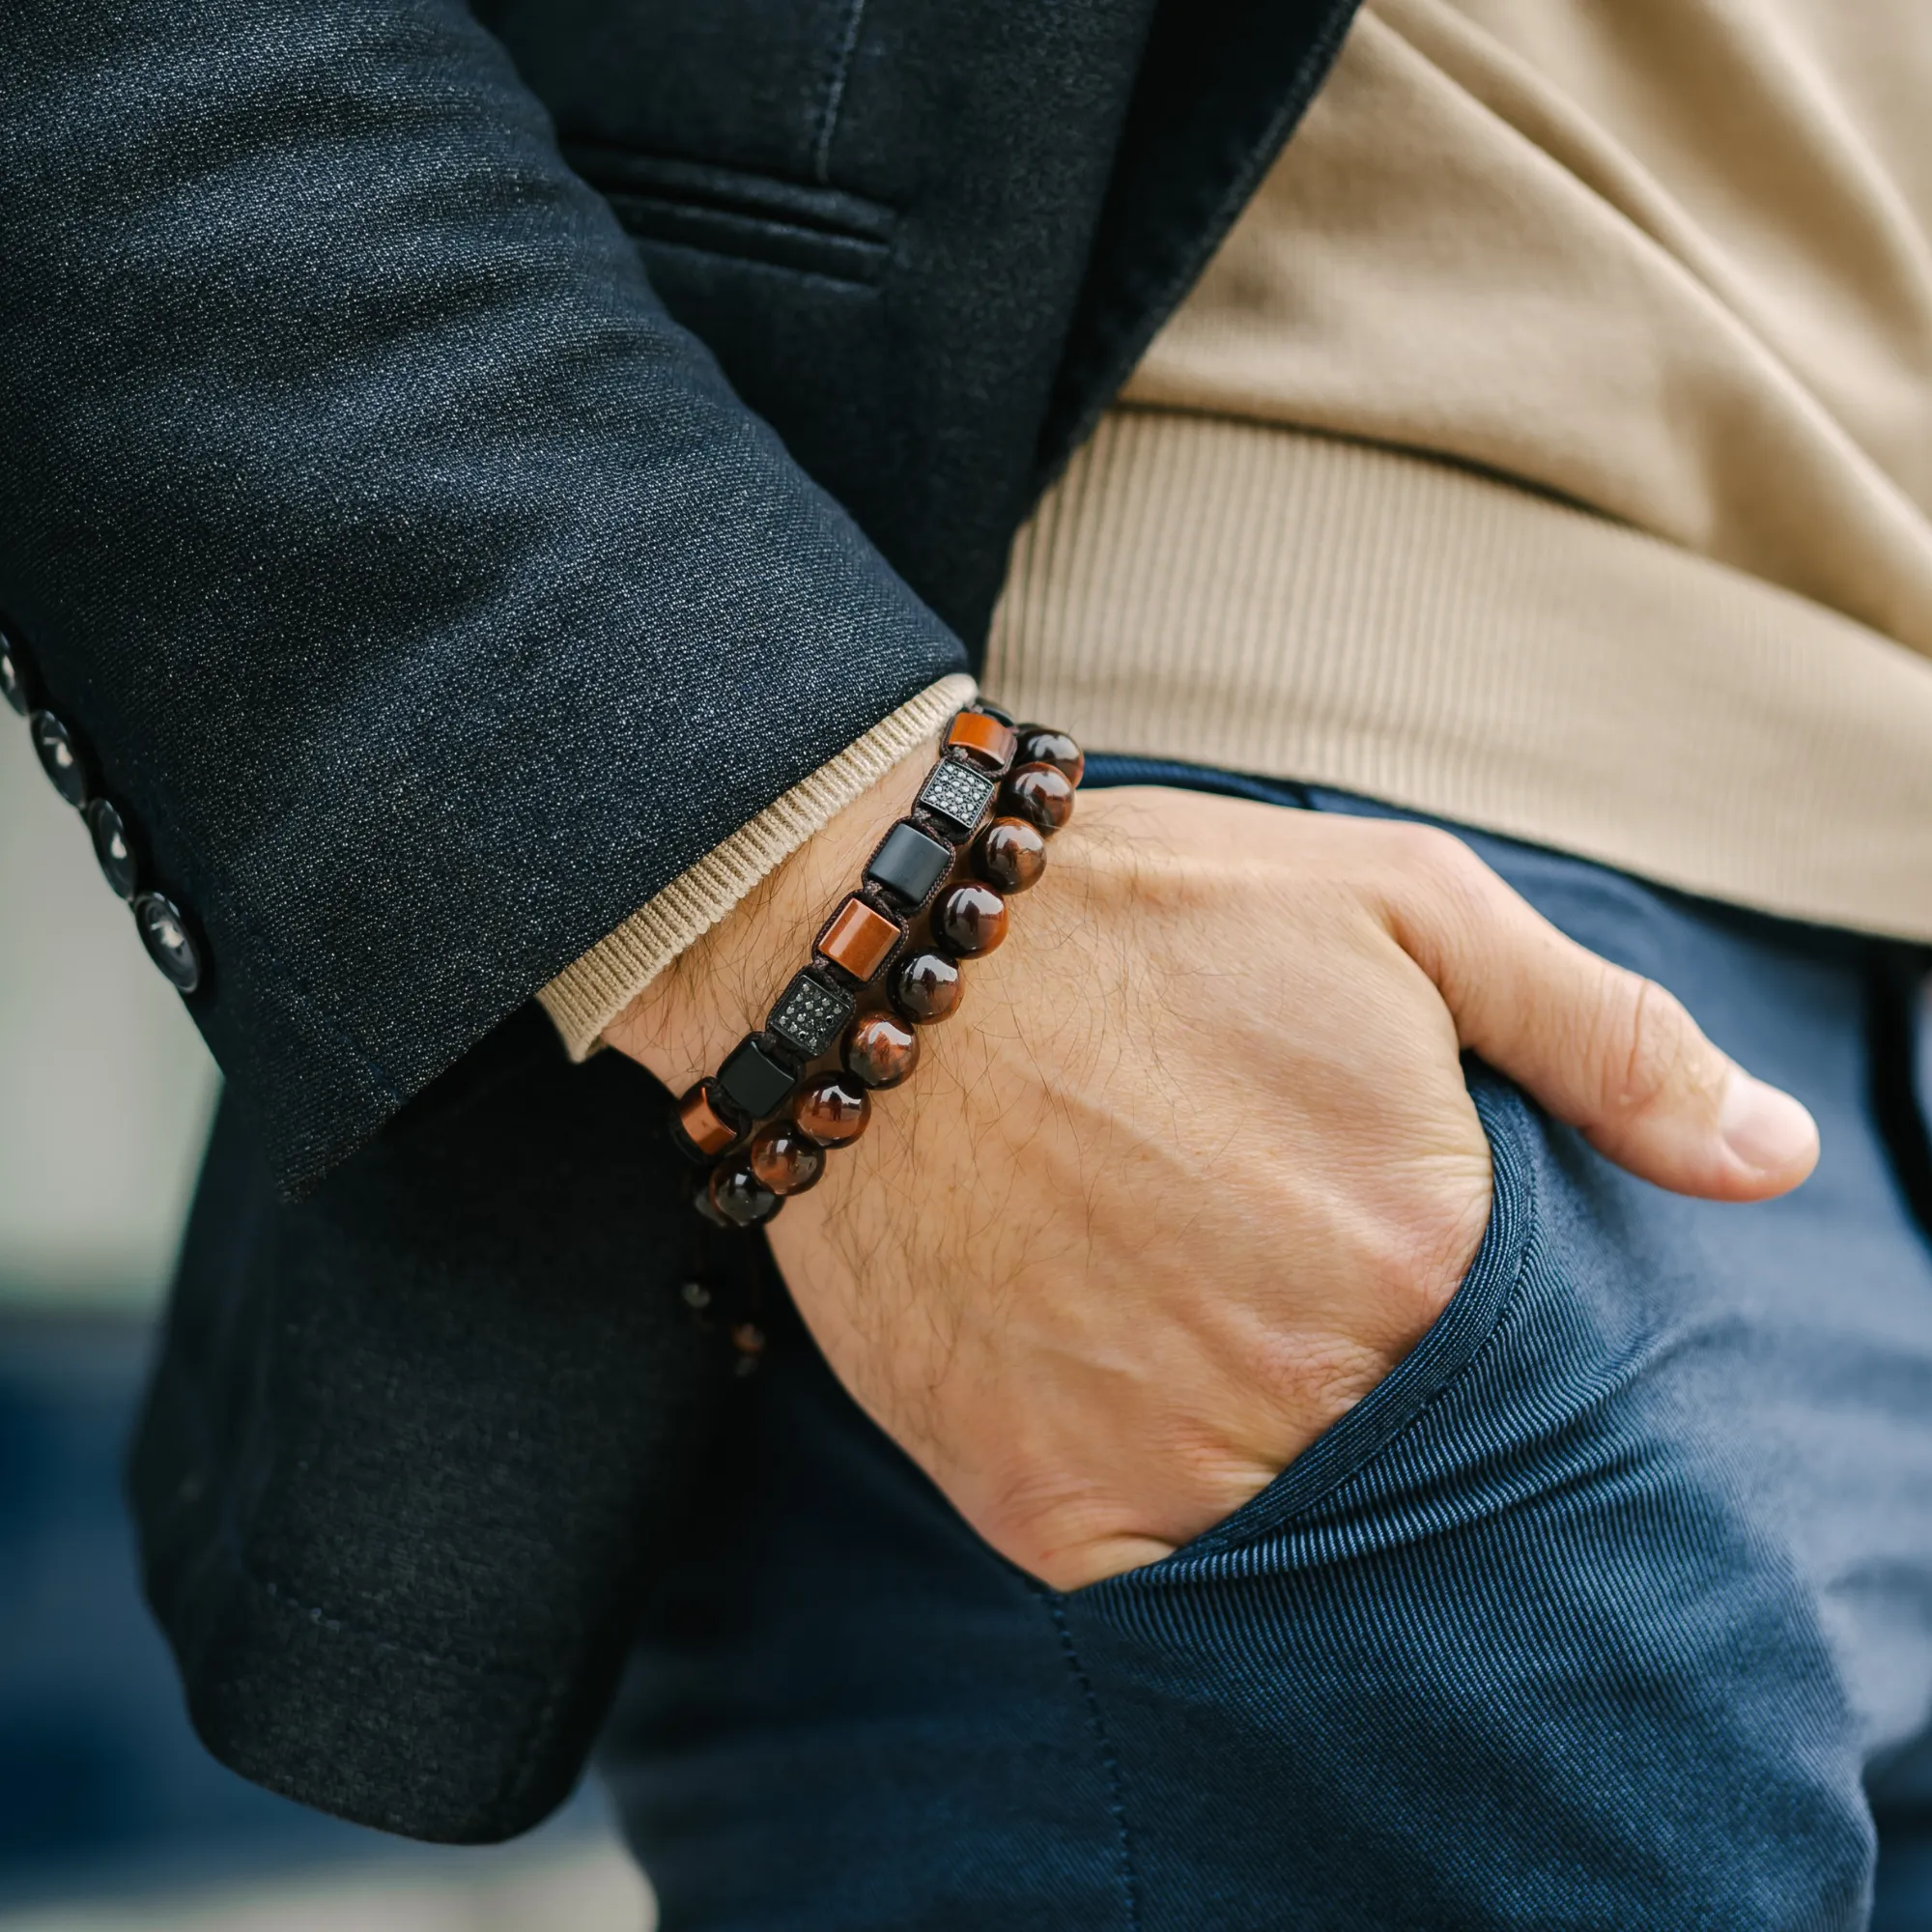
(687,1019)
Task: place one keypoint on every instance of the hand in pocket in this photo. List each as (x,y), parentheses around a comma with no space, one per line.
(1194,1167)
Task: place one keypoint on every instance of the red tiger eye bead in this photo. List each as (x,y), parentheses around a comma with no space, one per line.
(881,1049)
(970,919)
(784,1160)
(742,1198)
(1011,854)
(833,1110)
(926,987)
(704,1131)
(1042,745)
(983,738)
(1042,794)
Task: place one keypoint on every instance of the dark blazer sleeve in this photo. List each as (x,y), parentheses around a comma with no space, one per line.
(420,593)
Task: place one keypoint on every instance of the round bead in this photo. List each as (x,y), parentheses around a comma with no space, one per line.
(1042,745)
(741,1197)
(881,1050)
(784,1160)
(1042,794)
(833,1110)
(970,919)
(1011,854)
(926,988)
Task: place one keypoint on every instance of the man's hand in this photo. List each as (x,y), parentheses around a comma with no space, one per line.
(1194,1166)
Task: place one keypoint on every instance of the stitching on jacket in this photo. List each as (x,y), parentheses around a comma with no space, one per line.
(1116,1803)
(834,92)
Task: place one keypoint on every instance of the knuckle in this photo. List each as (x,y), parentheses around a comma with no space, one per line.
(1656,1051)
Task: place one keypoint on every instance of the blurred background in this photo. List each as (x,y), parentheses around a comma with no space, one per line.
(112,1817)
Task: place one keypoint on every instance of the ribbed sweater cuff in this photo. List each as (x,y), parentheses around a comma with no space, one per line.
(587,996)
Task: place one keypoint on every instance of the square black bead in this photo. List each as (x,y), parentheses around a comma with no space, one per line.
(909,864)
(809,1014)
(755,1080)
(957,793)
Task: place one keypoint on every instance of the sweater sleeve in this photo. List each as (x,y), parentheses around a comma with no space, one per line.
(590,992)
(420,594)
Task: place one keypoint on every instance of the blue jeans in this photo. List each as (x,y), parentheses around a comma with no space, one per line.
(1610,1608)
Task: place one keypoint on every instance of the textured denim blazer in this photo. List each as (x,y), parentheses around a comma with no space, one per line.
(452,472)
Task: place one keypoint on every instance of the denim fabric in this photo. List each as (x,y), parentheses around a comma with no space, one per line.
(1611,1609)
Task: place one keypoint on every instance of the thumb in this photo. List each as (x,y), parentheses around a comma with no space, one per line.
(1606,1050)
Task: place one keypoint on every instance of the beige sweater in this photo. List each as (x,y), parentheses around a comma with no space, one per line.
(1548,447)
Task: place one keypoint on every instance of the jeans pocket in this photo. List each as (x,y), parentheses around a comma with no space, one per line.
(1451,1343)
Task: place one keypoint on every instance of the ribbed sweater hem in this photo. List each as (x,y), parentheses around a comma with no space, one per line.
(587,996)
(1301,606)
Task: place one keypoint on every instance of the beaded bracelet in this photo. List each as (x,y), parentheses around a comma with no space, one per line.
(885,964)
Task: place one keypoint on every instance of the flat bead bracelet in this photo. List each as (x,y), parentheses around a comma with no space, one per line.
(885,964)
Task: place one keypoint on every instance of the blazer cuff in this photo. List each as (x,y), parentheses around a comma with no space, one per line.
(587,995)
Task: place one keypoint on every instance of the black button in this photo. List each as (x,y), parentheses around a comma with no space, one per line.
(909,864)
(754,1081)
(59,757)
(112,847)
(165,935)
(13,678)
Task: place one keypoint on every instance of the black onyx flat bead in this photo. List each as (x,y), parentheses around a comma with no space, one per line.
(1040,794)
(1042,745)
(925,988)
(909,864)
(165,934)
(742,1198)
(810,1015)
(113,849)
(12,678)
(959,794)
(969,919)
(59,757)
(755,1080)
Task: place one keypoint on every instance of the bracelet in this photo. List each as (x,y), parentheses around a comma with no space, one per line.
(885,964)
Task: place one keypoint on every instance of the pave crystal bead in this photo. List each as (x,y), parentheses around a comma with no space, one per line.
(784,1160)
(1042,794)
(969,919)
(1011,854)
(1041,745)
(741,1197)
(809,1014)
(958,793)
(926,988)
(833,1110)
(882,1050)
(987,740)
